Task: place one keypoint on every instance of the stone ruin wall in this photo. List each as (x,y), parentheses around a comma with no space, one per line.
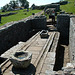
(66,27)
(8,14)
(72,40)
(11,34)
(63,23)
(39,23)
(57,6)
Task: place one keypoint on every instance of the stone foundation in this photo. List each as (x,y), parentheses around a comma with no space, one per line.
(63,22)
(14,33)
(39,22)
(18,31)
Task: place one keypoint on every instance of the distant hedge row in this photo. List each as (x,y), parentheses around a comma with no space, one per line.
(57,6)
(61,2)
(53,5)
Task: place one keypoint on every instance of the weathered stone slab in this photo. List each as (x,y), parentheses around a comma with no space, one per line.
(50,59)
(47,67)
(49,72)
(72,40)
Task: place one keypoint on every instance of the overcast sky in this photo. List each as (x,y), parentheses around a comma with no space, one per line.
(36,2)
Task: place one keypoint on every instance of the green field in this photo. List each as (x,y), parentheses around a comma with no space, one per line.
(20,15)
(69,0)
(68,7)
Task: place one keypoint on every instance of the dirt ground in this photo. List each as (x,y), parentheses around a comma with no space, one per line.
(62,55)
(66,55)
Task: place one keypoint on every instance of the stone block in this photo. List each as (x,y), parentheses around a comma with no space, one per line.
(39,22)
(63,23)
(72,40)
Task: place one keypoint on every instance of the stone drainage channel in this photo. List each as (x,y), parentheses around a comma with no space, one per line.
(49,55)
(44,59)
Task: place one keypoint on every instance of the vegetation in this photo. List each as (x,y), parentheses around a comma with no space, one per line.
(24,3)
(15,4)
(20,15)
(33,6)
(70,7)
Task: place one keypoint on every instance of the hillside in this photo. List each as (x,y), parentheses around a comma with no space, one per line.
(20,15)
(70,7)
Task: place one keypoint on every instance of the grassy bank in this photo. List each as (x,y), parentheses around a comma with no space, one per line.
(70,7)
(20,15)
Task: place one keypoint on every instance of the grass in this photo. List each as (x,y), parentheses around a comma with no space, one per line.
(20,15)
(68,7)
(69,0)
(7,12)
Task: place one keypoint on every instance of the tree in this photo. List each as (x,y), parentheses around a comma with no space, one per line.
(24,3)
(13,4)
(17,3)
(33,6)
(5,7)
(61,0)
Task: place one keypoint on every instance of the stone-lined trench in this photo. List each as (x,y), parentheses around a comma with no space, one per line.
(62,55)
(62,52)
(15,32)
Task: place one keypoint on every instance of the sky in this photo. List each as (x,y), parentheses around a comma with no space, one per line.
(36,2)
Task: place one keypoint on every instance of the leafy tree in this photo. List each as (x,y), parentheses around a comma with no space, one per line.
(5,7)
(33,6)
(17,3)
(13,4)
(24,3)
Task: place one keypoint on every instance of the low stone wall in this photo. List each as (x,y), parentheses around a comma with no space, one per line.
(72,40)
(63,22)
(12,33)
(56,6)
(4,15)
(39,22)
(30,17)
